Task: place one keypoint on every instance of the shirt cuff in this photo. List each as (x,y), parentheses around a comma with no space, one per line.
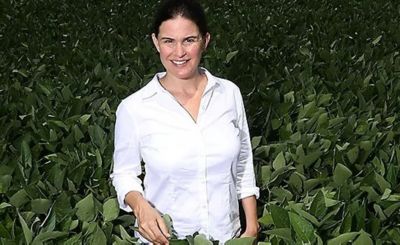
(124,187)
(255,191)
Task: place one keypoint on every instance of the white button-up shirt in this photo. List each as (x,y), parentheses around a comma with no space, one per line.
(195,171)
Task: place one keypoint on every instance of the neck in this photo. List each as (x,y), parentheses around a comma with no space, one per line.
(175,84)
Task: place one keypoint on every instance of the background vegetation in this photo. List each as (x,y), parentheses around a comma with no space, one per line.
(321,84)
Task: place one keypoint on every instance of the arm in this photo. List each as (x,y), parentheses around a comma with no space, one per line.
(249,205)
(125,179)
(247,190)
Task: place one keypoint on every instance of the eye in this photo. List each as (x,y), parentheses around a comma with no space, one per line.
(190,40)
(166,41)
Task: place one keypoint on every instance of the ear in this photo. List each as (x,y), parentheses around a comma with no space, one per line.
(207,40)
(155,42)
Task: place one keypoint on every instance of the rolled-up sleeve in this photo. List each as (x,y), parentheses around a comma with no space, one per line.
(246,184)
(127,159)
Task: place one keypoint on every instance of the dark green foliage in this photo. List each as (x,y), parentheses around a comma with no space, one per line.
(321,82)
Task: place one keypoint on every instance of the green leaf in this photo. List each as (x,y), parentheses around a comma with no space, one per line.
(5,205)
(230,55)
(341,174)
(283,233)
(279,161)
(19,198)
(255,141)
(266,219)
(303,228)
(46,236)
(28,234)
(377,40)
(201,239)
(85,208)
(26,157)
(40,206)
(343,238)
(5,181)
(352,154)
(22,72)
(168,222)
(241,241)
(110,209)
(363,239)
(97,237)
(318,207)
(280,216)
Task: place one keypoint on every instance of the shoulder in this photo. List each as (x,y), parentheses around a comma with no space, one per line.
(226,85)
(134,101)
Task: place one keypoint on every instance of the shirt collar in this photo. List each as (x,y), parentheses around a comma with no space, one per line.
(154,87)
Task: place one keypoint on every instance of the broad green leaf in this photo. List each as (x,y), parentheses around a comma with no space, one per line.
(265,174)
(201,239)
(283,233)
(279,161)
(382,183)
(74,240)
(266,219)
(282,194)
(125,235)
(85,209)
(241,241)
(341,174)
(255,141)
(40,206)
(5,181)
(280,216)
(230,56)
(97,237)
(84,118)
(73,225)
(352,154)
(343,238)
(46,236)
(394,235)
(363,239)
(391,209)
(304,229)
(318,207)
(28,234)
(19,198)
(110,209)
(5,205)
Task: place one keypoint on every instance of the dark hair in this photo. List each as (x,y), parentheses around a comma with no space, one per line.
(189,9)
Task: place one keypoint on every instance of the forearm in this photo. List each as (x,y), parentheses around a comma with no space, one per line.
(135,200)
(249,205)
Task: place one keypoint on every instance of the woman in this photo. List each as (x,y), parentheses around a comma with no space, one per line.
(189,128)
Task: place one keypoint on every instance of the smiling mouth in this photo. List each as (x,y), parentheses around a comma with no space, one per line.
(179,62)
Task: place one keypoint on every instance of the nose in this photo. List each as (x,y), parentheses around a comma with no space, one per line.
(180,50)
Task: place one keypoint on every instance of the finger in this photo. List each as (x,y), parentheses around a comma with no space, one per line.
(147,233)
(159,236)
(163,227)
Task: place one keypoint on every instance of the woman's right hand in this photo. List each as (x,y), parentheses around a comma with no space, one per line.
(151,224)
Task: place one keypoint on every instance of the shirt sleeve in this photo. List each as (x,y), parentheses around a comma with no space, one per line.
(126,157)
(246,184)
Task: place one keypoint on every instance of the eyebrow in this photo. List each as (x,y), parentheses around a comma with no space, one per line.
(170,38)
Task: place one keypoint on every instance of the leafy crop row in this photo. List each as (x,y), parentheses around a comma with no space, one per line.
(321,82)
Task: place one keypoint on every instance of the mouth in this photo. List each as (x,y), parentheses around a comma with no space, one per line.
(179,62)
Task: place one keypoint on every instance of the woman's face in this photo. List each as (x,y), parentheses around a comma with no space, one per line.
(180,45)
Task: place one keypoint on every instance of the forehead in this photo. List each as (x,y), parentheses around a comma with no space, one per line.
(178,26)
